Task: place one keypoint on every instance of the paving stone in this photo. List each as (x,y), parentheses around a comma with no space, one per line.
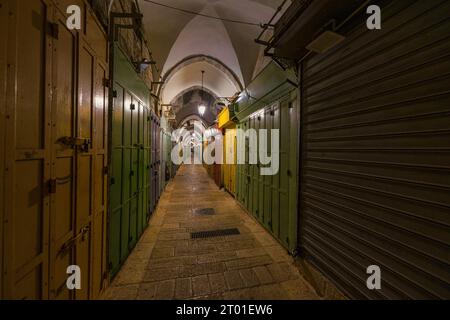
(249,277)
(265,239)
(236,245)
(278,254)
(165,290)
(168,264)
(200,285)
(289,268)
(183,288)
(174,236)
(167,243)
(270,292)
(159,274)
(172,262)
(163,253)
(195,249)
(234,280)
(217,257)
(242,294)
(129,292)
(254,252)
(299,290)
(147,291)
(130,274)
(281,272)
(263,275)
(250,262)
(202,269)
(217,283)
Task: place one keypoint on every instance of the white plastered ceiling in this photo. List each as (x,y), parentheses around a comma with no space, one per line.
(191,77)
(175,36)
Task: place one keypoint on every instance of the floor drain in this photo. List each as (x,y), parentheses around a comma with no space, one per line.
(215,233)
(205,212)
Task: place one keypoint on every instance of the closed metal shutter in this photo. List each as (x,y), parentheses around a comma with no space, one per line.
(375,180)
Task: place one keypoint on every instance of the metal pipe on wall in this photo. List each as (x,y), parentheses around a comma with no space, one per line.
(110,6)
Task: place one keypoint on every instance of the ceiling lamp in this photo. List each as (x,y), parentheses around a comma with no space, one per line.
(202,107)
(201,110)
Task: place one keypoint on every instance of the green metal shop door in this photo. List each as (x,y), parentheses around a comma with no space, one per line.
(129,209)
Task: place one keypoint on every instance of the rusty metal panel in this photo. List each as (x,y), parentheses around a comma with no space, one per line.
(376,174)
(62,222)
(99,229)
(84,165)
(3,65)
(27,152)
(55,182)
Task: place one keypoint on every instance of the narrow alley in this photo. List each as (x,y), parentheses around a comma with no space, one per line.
(168,263)
(224,150)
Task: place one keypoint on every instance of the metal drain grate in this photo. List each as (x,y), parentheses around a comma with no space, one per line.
(215,233)
(205,212)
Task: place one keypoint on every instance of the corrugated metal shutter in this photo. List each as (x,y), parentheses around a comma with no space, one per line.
(376,153)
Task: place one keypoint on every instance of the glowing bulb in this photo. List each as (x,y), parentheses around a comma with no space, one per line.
(201,110)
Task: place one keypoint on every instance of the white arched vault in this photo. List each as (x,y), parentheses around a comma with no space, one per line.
(204,37)
(215,80)
(184,44)
(174,35)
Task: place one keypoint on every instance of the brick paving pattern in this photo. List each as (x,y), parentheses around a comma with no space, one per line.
(168,264)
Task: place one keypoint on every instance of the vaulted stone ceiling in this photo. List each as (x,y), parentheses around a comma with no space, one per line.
(185,44)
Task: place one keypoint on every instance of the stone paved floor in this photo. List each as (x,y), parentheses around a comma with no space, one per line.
(168,264)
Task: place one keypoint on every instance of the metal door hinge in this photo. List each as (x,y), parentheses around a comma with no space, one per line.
(53,30)
(114,93)
(52,186)
(105,171)
(132,106)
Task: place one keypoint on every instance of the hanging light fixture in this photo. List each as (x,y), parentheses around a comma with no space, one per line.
(202,107)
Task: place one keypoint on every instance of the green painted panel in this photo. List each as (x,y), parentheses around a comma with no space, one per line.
(126,186)
(276,184)
(134,171)
(130,161)
(114,241)
(125,232)
(117,118)
(116,179)
(127,142)
(141,213)
(273,199)
(133,223)
(125,74)
(265,87)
